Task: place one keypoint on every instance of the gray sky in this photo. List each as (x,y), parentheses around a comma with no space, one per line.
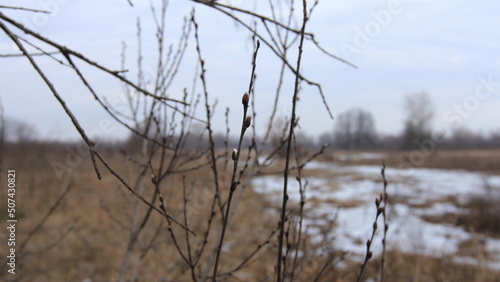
(448,49)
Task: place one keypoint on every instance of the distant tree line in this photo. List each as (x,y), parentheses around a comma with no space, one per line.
(355,130)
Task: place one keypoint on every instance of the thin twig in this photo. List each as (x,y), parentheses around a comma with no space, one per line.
(328,262)
(72,223)
(245,261)
(44,218)
(301,212)
(289,146)
(282,58)
(386,225)
(286,27)
(64,49)
(31,54)
(24,9)
(246,121)
(284,43)
(186,235)
(48,54)
(171,232)
(369,253)
(75,122)
(209,117)
(131,190)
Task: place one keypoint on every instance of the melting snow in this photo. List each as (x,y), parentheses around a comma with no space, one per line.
(408,232)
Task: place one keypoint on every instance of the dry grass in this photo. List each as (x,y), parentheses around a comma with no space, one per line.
(471,160)
(411,267)
(87,235)
(95,216)
(483,215)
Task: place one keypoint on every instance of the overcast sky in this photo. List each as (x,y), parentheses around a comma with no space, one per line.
(449,49)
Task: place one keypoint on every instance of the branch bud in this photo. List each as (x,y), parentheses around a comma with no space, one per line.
(235,154)
(248,121)
(245,98)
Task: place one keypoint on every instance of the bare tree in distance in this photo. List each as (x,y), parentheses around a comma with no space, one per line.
(18,131)
(418,124)
(355,130)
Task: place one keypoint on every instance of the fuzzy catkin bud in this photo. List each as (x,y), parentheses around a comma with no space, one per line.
(248,121)
(245,98)
(235,154)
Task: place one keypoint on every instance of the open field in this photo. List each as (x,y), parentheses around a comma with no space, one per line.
(432,212)
(470,160)
(443,223)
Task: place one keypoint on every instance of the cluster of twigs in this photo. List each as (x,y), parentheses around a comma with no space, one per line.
(168,147)
(293,122)
(381,205)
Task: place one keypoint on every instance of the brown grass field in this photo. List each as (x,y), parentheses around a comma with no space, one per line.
(470,160)
(86,235)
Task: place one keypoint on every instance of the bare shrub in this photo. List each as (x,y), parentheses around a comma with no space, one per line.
(179,192)
(483,213)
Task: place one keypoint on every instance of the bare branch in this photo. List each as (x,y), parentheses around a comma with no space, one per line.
(65,50)
(24,9)
(75,122)
(279,263)
(31,54)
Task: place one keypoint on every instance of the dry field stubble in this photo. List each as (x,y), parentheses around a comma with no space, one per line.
(478,215)
(87,235)
(470,160)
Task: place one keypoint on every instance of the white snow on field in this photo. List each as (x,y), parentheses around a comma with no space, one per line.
(408,232)
(360,156)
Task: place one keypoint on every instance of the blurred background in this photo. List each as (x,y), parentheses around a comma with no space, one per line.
(411,86)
